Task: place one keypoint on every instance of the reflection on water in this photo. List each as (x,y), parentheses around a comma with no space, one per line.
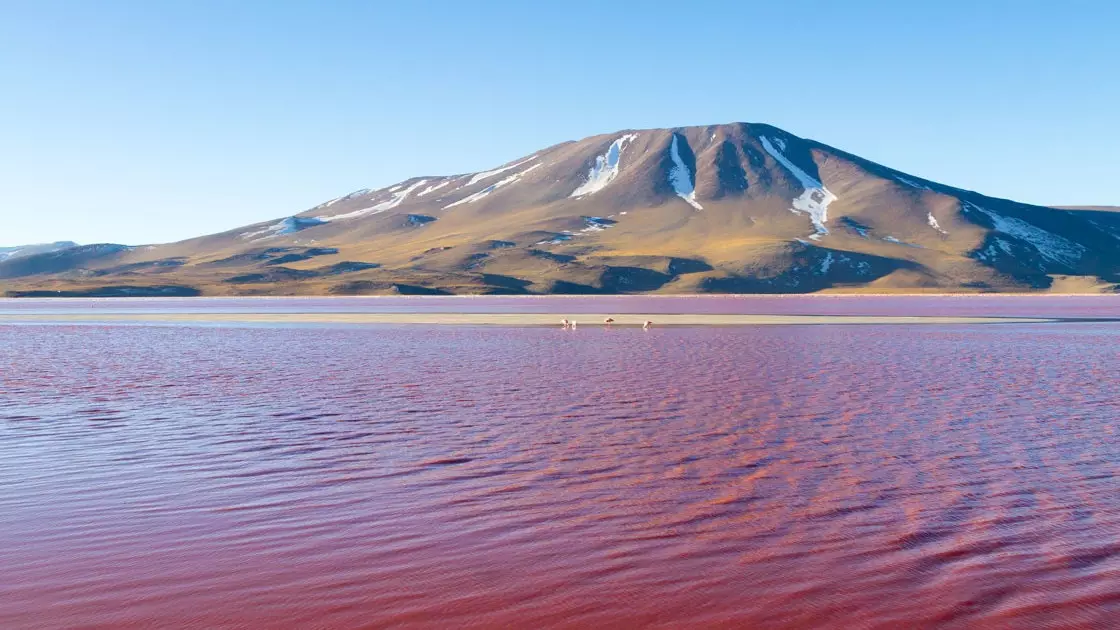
(780,477)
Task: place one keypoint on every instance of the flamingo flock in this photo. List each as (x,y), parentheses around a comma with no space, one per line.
(567,324)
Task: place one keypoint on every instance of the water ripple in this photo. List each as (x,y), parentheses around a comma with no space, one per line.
(781,477)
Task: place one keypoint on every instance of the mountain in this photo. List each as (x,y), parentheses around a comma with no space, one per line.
(735,208)
(10,253)
(72,261)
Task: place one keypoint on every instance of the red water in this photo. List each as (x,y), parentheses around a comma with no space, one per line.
(1085,306)
(777,477)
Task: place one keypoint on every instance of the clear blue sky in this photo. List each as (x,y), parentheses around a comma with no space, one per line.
(148,121)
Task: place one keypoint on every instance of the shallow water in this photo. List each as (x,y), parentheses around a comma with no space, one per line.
(1084,306)
(380,476)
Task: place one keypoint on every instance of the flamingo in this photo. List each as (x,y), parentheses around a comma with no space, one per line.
(565,324)
(647,325)
(608,321)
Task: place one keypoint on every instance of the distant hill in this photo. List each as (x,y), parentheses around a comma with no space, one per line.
(734,208)
(70,260)
(9,253)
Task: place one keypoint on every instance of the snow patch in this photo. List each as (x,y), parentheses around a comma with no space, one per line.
(816,198)
(290,225)
(556,240)
(826,264)
(891,239)
(596,224)
(478,177)
(933,223)
(605,168)
(395,199)
(356,193)
(912,183)
(1106,229)
(492,187)
(433,188)
(992,252)
(681,178)
(1049,245)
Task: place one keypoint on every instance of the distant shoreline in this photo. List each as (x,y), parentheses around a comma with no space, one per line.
(673,296)
(512,319)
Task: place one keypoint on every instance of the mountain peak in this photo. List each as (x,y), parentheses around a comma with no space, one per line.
(736,207)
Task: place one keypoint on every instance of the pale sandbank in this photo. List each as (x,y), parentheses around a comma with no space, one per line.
(505,319)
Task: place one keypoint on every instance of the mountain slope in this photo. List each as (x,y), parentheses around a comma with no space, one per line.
(724,208)
(11,253)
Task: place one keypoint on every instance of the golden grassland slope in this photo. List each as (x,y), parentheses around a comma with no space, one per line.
(737,208)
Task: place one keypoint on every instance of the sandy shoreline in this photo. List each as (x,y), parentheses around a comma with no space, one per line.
(560,297)
(503,319)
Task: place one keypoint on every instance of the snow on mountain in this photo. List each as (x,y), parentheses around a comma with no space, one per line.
(434,187)
(932,220)
(816,198)
(356,193)
(289,225)
(596,224)
(397,196)
(492,187)
(826,263)
(897,241)
(1049,245)
(912,183)
(681,178)
(605,168)
(598,216)
(20,251)
(478,177)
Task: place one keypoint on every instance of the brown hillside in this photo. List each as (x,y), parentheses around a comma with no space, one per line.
(724,208)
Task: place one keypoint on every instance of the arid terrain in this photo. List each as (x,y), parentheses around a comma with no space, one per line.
(736,208)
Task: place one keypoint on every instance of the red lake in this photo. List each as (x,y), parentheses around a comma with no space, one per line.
(788,476)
